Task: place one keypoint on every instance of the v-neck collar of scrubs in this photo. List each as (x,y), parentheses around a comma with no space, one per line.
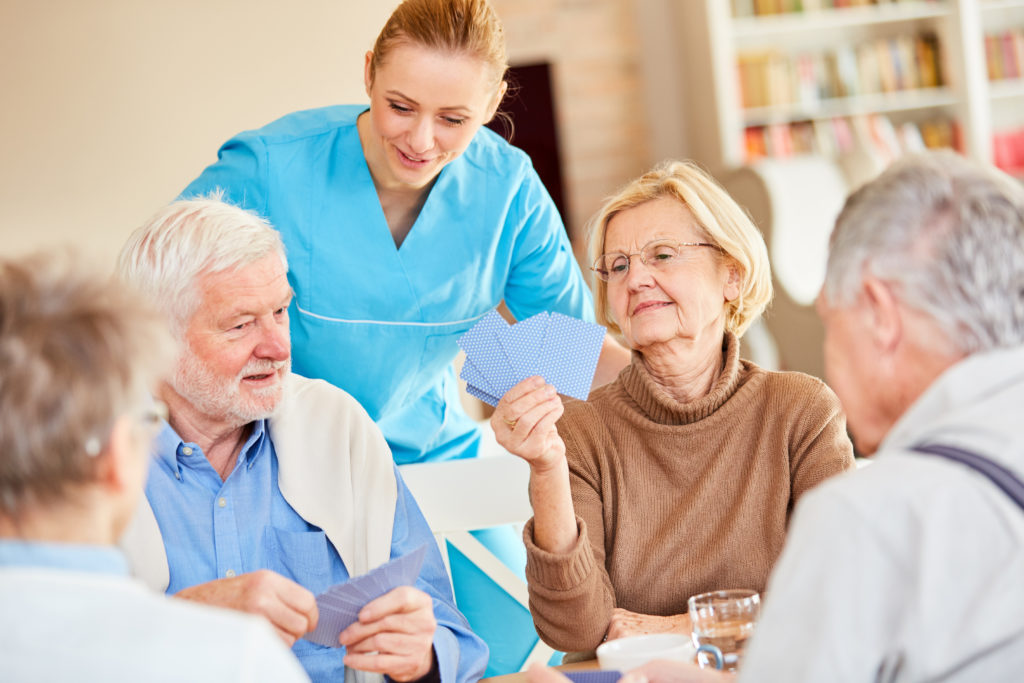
(423,229)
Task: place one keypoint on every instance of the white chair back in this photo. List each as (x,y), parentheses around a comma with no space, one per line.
(459,496)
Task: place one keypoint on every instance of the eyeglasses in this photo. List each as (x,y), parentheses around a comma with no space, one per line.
(659,255)
(155,414)
(151,418)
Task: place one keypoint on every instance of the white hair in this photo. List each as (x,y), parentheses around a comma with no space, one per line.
(187,239)
(948,234)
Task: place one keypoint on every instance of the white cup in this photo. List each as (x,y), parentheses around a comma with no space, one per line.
(628,653)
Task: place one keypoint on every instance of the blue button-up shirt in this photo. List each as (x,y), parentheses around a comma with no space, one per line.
(215,529)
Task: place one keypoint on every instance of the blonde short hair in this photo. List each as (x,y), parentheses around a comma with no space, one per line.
(721,219)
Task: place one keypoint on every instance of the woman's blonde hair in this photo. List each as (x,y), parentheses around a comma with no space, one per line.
(470,27)
(720,218)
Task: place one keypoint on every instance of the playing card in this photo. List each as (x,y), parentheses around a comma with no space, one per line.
(482,395)
(568,356)
(474,377)
(340,604)
(483,351)
(522,344)
(561,349)
(592,676)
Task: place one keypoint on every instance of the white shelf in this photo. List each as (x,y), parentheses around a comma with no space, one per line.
(1001,4)
(779,25)
(1006,89)
(703,41)
(879,103)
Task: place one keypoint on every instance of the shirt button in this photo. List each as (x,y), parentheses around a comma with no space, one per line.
(229,573)
(177,475)
(222,502)
(187,450)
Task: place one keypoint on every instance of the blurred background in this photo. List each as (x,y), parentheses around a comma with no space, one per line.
(110,107)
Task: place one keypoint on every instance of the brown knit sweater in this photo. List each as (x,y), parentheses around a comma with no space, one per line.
(674,499)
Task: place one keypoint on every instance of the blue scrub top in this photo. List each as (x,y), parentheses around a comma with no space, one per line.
(382,322)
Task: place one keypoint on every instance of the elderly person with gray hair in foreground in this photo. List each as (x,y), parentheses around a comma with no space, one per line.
(266,487)
(679,477)
(911,569)
(78,358)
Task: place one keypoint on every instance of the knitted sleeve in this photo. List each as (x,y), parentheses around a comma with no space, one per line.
(819,444)
(571,596)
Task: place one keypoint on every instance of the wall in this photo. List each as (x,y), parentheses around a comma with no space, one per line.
(112,106)
(594,51)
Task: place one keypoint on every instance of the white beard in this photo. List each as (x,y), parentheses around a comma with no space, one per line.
(221,397)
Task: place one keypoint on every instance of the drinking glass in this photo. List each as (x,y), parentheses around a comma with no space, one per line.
(723,620)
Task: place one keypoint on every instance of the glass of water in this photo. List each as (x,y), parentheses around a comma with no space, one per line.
(723,620)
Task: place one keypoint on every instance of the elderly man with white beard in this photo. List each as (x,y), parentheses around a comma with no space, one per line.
(266,488)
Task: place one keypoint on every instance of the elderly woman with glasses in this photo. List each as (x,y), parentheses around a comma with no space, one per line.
(679,477)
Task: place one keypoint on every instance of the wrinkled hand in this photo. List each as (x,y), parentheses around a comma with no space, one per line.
(663,671)
(625,623)
(290,608)
(394,635)
(524,423)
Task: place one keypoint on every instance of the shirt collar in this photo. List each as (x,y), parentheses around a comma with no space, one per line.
(102,559)
(168,445)
(975,380)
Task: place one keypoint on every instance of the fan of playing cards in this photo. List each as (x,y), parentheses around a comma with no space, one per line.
(340,604)
(560,349)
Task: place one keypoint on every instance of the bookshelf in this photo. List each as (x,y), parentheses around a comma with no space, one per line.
(1002,25)
(912,71)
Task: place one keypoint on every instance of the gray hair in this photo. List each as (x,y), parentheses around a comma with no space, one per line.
(190,238)
(949,235)
(77,352)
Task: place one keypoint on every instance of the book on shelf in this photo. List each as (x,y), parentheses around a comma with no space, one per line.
(758,8)
(1008,151)
(1004,54)
(843,135)
(773,77)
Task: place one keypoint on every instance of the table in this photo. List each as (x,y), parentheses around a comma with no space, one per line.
(520,677)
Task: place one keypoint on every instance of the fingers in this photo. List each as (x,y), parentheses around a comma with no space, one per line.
(519,402)
(395,667)
(524,422)
(662,671)
(394,635)
(623,623)
(634,676)
(290,608)
(403,600)
(396,612)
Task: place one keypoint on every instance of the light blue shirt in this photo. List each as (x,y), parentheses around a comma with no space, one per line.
(215,529)
(382,322)
(71,612)
(100,559)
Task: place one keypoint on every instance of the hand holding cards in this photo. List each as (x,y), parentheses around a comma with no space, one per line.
(340,604)
(562,350)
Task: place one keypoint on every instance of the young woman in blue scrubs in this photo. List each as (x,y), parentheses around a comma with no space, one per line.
(407,221)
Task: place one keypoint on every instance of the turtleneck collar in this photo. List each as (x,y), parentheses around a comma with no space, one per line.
(663,408)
